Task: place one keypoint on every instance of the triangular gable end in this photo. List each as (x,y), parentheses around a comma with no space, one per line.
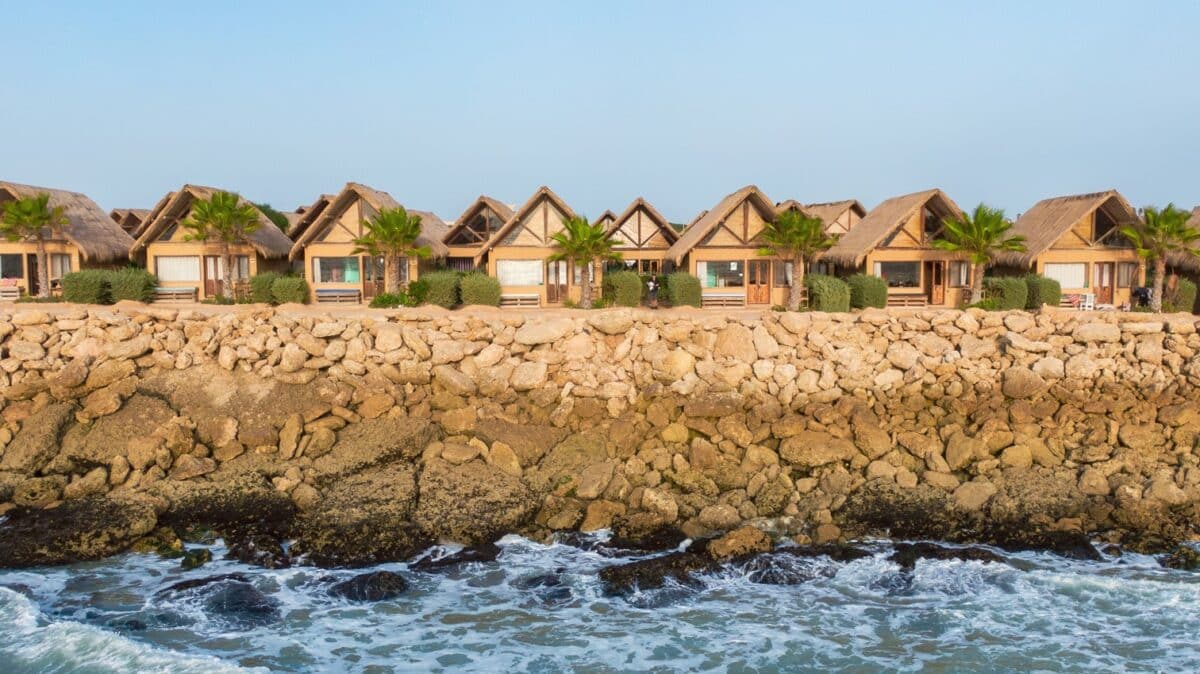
(478,223)
(642,226)
(539,218)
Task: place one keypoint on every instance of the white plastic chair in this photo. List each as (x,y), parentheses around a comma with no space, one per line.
(1088,303)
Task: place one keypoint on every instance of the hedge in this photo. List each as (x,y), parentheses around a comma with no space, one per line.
(416,292)
(131,283)
(393,300)
(290,289)
(867,291)
(684,289)
(478,288)
(1042,290)
(443,288)
(827,293)
(1182,299)
(262,287)
(88,286)
(624,288)
(1008,292)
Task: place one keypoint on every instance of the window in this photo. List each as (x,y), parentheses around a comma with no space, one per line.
(11,266)
(960,275)
(460,264)
(60,265)
(577,274)
(336,269)
(241,267)
(177,268)
(1068,274)
(1127,274)
(782,272)
(821,268)
(730,274)
(519,272)
(899,274)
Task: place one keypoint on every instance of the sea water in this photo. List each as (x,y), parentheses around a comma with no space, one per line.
(541,608)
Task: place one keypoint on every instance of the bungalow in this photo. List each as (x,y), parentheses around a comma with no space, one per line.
(1076,240)
(721,248)
(306,215)
(838,216)
(894,241)
(606,220)
(482,219)
(196,269)
(517,253)
(335,272)
(89,239)
(129,219)
(642,235)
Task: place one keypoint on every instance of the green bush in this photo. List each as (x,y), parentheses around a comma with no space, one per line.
(684,289)
(88,286)
(624,288)
(417,291)
(290,289)
(131,283)
(389,300)
(827,293)
(443,288)
(1009,292)
(478,288)
(262,287)
(1042,290)
(1183,298)
(867,291)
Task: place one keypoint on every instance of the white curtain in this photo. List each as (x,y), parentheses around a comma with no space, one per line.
(1068,274)
(177,268)
(519,272)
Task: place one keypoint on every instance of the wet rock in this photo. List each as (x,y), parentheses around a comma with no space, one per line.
(258,550)
(649,574)
(780,568)
(744,541)
(374,586)
(84,529)
(39,492)
(244,503)
(837,552)
(240,603)
(654,539)
(195,558)
(1184,558)
(548,588)
(474,554)
(907,554)
(472,503)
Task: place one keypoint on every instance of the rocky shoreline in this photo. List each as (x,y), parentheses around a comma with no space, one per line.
(366,439)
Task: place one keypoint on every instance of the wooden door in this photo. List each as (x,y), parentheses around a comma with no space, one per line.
(214,276)
(758,282)
(1105,281)
(373,276)
(33,278)
(556,282)
(935,279)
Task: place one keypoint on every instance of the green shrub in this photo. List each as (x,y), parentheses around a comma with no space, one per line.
(417,291)
(1009,292)
(88,286)
(131,283)
(867,291)
(33,299)
(623,288)
(1183,298)
(443,288)
(827,293)
(986,305)
(478,288)
(1042,290)
(389,300)
(262,287)
(684,289)
(290,289)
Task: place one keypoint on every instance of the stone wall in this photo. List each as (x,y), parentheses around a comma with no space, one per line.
(914,422)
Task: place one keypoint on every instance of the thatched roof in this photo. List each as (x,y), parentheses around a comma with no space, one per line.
(308,215)
(89,228)
(432,227)
(641,204)
(267,240)
(129,219)
(711,219)
(542,192)
(501,209)
(606,218)
(1049,219)
(830,211)
(853,246)
(1188,262)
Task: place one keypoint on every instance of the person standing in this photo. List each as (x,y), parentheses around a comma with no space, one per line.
(652,291)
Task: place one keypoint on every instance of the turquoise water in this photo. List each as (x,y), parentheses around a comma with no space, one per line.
(540,608)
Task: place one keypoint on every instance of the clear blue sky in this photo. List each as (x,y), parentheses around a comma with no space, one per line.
(437,102)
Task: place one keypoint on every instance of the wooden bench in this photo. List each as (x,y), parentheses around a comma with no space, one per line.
(338,296)
(722,299)
(907,300)
(10,293)
(176,294)
(520,300)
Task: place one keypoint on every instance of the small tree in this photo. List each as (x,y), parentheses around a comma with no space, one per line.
(799,239)
(392,233)
(582,243)
(1159,234)
(32,219)
(980,235)
(224,219)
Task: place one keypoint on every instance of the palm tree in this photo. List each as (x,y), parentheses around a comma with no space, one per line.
(980,235)
(798,238)
(32,219)
(225,219)
(582,243)
(392,233)
(1161,233)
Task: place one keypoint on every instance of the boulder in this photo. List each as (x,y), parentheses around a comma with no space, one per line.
(85,529)
(810,449)
(471,503)
(536,332)
(744,541)
(373,586)
(37,441)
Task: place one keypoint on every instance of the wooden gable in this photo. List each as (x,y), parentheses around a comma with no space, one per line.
(920,228)
(740,228)
(641,229)
(348,224)
(477,227)
(536,225)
